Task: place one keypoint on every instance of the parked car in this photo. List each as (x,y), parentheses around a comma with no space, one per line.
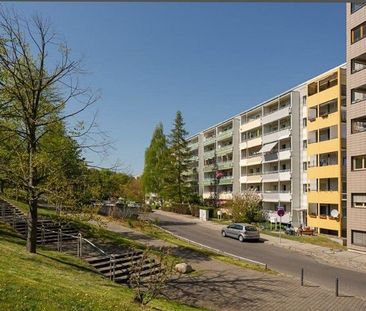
(241,232)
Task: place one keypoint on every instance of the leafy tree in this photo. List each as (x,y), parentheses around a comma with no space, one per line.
(177,187)
(38,81)
(156,160)
(132,190)
(247,207)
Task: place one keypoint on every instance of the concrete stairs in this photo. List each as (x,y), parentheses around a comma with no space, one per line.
(119,267)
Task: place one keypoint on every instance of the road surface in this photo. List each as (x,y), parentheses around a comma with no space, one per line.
(279,259)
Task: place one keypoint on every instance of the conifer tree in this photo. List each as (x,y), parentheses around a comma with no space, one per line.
(177,187)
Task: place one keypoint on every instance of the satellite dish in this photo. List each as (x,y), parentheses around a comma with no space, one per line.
(334,213)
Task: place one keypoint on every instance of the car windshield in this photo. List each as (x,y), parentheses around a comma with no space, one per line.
(250,228)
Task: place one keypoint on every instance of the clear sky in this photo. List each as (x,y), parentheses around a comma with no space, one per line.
(209,60)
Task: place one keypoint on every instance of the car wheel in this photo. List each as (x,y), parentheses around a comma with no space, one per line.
(223,233)
(241,238)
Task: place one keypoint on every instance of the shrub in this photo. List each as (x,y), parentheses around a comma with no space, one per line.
(247,208)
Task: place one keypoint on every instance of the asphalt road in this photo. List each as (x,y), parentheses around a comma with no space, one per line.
(279,259)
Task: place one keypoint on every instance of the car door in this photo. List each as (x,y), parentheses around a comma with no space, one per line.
(237,230)
(230,230)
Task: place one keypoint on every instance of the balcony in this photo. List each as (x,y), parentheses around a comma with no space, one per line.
(208,181)
(276,196)
(243,145)
(226,180)
(224,150)
(254,179)
(279,114)
(207,195)
(273,217)
(269,157)
(225,165)
(209,154)
(225,195)
(194,158)
(325,197)
(277,135)
(250,125)
(243,179)
(209,141)
(254,142)
(324,222)
(225,134)
(193,146)
(284,154)
(208,168)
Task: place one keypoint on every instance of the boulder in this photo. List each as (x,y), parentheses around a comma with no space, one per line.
(183,268)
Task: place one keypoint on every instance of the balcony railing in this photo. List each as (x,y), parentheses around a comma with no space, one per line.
(225,134)
(225,165)
(224,149)
(209,141)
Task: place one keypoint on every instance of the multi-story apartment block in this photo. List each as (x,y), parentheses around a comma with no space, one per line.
(266,148)
(326,152)
(356,126)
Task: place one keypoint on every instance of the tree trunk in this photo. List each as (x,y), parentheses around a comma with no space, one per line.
(32,226)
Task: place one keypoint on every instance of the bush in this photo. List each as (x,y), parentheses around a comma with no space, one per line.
(247,208)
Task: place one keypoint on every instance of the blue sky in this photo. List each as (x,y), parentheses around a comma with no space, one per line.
(209,60)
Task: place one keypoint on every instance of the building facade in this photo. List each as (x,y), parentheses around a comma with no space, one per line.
(356,126)
(326,151)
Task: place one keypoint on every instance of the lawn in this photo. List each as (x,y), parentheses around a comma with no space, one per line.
(319,240)
(55,281)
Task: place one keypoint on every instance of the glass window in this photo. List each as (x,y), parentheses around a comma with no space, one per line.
(355,6)
(358,200)
(358,238)
(359,162)
(358,125)
(358,94)
(358,63)
(358,33)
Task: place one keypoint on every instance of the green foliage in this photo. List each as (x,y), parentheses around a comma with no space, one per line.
(156,159)
(177,187)
(247,208)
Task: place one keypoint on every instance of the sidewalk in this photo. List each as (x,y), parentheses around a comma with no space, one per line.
(224,287)
(345,259)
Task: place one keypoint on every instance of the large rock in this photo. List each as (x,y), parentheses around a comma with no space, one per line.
(183,268)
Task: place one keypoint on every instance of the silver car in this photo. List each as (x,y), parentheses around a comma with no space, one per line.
(241,232)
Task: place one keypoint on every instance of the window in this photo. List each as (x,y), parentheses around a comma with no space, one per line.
(304,122)
(328,82)
(305,187)
(304,100)
(328,133)
(313,160)
(312,114)
(328,184)
(358,200)
(359,163)
(358,33)
(305,144)
(358,125)
(313,137)
(326,159)
(312,88)
(358,94)
(328,108)
(358,63)
(355,6)
(305,166)
(358,237)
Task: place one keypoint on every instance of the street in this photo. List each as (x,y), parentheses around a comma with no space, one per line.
(285,261)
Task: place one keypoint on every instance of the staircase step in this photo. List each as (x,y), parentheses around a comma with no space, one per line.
(94,260)
(143,275)
(124,265)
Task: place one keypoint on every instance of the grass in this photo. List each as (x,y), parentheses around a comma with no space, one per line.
(319,240)
(55,281)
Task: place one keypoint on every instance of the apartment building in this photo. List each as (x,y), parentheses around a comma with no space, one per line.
(263,148)
(326,152)
(356,126)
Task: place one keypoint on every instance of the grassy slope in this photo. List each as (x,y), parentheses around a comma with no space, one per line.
(55,281)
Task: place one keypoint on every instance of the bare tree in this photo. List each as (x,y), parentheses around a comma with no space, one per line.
(39,88)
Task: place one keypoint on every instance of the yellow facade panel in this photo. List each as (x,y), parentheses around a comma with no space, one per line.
(330,171)
(330,224)
(324,197)
(324,147)
(323,96)
(321,122)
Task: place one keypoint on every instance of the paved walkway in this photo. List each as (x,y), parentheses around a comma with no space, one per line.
(345,259)
(220,286)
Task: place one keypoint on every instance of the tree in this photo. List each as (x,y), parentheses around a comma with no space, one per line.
(38,81)
(132,190)
(156,160)
(246,207)
(177,186)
